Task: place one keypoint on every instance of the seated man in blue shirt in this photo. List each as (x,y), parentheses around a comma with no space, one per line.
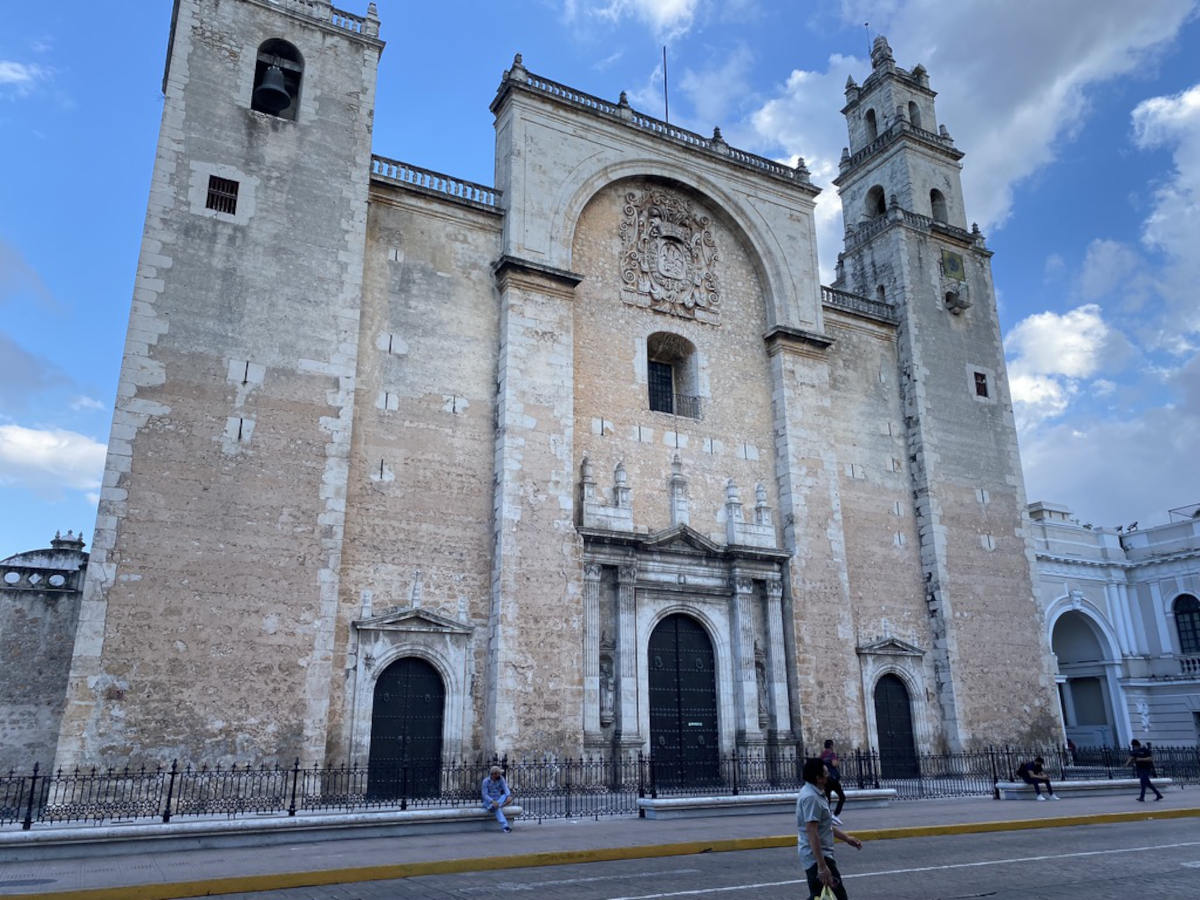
(1031,773)
(495,795)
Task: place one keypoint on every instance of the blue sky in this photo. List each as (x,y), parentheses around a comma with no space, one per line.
(1080,123)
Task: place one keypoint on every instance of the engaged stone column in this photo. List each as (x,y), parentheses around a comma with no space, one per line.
(745,684)
(781,716)
(591,653)
(627,732)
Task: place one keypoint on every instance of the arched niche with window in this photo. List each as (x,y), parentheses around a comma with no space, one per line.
(937,206)
(278,73)
(872,125)
(876,204)
(914,114)
(1187,624)
(672,375)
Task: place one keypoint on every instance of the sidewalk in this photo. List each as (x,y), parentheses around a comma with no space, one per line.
(205,871)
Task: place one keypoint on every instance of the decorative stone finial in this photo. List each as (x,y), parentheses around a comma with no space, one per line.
(881,54)
(72,541)
(622,493)
(801,170)
(623,100)
(680,508)
(517,72)
(718,142)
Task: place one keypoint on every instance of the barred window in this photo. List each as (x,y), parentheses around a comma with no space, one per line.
(1187,622)
(981,385)
(662,387)
(222,195)
(672,375)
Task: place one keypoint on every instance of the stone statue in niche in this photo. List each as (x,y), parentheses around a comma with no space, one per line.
(764,710)
(607,690)
(669,257)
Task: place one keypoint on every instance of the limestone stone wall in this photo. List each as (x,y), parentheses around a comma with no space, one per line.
(419,503)
(39,610)
(885,591)
(731,436)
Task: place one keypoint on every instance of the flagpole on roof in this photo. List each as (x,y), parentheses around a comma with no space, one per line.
(666,103)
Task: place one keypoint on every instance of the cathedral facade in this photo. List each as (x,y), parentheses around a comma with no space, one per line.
(406,467)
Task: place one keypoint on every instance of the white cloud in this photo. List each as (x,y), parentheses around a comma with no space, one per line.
(1074,344)
(1173,226)
(1145,463)
(666,18)
(49,460)
(20,78)
(85,402)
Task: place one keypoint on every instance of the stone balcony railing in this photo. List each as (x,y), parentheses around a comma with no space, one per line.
(1190,666)
(321,10)
(435,182)
(856,303)
(864,231)
(893,133)
(37,578)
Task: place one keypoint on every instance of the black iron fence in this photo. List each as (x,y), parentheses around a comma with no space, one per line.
(547,787)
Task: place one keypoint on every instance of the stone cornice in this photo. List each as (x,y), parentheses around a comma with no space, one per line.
(796,340)
(509,267)
(519,79)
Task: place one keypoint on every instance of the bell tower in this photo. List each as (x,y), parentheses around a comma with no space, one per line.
(907,244)
(227,461)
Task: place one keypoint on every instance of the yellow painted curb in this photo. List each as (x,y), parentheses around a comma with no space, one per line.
(250,883)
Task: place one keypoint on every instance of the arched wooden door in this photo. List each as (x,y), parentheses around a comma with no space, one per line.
(406,731)
(683,703)
(893,725)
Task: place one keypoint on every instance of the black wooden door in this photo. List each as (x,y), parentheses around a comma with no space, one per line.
(406,731)
(893,722)
(683,703)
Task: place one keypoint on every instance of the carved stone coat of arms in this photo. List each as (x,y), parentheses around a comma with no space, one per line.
(669,257)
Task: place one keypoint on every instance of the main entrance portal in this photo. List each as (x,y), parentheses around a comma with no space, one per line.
(406,731)
(893,723)
(683,703)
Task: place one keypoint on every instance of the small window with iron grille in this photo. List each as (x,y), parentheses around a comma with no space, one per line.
(662,387)
(222,195)
(981,385)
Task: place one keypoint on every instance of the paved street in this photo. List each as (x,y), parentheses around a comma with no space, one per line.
(1092,862)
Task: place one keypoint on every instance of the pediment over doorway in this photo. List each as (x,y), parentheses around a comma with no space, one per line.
(889,646)
(680,539)
(413,619)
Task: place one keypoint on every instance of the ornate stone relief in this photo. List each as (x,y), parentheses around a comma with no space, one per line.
(669,257)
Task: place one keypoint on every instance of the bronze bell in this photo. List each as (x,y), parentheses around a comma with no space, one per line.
(271,95)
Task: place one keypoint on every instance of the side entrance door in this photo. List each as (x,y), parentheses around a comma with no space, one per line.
(406,731)
(893,722)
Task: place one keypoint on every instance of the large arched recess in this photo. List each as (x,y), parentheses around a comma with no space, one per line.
(1093,704)
(789,297)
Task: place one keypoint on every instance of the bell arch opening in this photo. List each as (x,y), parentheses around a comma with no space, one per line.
(278,73)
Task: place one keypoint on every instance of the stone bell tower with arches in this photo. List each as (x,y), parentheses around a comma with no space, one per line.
(218,542)
(907,244)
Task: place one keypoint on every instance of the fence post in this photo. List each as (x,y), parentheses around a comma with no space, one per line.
(404,785)
(567,784)
(735,771)
(295,778)
(170,791)
(641,764)
(995,774)
(28,823)
(653,779)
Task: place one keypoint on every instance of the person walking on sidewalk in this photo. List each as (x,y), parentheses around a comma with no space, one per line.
(816,834)
(1142,760)
(833,783)
(495,795)
(1031,773)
